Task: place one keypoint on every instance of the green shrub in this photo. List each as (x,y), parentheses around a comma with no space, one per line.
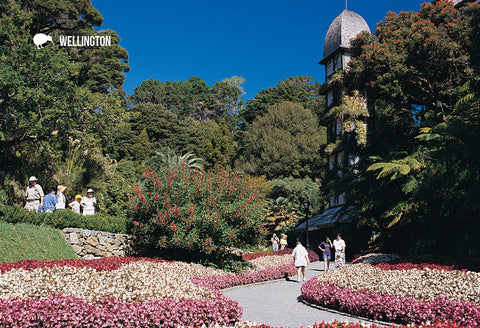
(185,213)
(61,219)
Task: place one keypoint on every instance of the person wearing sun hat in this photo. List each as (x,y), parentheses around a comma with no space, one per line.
(75,205)
(34,195)
(88,203)
(61,200)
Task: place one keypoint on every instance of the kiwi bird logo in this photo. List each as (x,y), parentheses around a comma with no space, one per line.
(40,39)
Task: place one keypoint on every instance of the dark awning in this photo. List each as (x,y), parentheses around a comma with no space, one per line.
(324,220)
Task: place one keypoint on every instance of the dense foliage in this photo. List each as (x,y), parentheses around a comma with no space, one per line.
(419,180)
(184,212)
(61,219)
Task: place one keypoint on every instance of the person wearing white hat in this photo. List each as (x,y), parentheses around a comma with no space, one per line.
(88,203)
(33,195)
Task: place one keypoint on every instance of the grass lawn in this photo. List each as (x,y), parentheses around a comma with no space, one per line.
(29,242)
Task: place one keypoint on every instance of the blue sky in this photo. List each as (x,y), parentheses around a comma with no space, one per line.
(264,41)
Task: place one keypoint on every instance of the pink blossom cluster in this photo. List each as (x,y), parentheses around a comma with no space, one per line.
(102,264)
(420,266)
(71,311)
(216,282)
(392,308)
(250,256)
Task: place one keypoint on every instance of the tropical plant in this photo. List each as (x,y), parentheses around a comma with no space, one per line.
(170,159)
(281,215)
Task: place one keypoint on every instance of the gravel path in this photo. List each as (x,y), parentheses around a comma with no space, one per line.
(278,303)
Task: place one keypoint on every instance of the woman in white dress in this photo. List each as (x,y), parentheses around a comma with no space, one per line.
(61,200)
(300,255)
(88,203)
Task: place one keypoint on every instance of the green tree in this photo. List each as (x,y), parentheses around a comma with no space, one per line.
(164,128)
(215,143)
(192,98)
(43,103)
(99,69)
(418,184)
(284,142)
(298,89)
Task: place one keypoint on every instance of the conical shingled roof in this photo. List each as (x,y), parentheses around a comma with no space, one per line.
(343,28)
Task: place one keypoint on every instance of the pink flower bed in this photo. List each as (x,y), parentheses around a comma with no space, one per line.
(216,282)
(391,308)
(63,311)
(103,264)
(311,254)
(406,263)
(419,266)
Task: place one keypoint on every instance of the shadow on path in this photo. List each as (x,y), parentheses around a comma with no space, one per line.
(279,304)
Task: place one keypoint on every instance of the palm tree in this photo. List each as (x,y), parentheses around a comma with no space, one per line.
(171,159)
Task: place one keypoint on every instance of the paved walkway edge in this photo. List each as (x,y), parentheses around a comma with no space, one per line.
(253,284)
(316,306)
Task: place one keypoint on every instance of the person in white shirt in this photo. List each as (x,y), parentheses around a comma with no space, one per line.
(300,256)
(88,203)
(34,195)
(75,205)
(61,200)
(339,245)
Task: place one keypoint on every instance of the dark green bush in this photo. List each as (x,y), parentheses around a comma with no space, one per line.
(61,219)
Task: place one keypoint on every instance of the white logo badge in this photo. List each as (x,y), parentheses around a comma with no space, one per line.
(41,39)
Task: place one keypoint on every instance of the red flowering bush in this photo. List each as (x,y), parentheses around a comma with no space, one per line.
(194,212)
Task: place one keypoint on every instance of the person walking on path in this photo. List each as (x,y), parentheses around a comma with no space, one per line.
(88,203)
(325,247)
(61,200)
(339,245)
(275,242)
(300,256)
(33,195)
(50,201)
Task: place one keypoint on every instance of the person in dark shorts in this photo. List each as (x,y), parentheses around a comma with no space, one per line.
(325,247)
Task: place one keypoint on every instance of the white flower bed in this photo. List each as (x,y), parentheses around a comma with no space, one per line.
(425,284)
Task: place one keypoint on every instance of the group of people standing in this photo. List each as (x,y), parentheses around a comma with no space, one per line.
(277,241)
(338,245)
(55,199)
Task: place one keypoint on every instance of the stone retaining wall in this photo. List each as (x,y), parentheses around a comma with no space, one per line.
(90,244)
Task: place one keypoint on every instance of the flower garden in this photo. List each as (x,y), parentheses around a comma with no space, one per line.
(143,292)
(405,293)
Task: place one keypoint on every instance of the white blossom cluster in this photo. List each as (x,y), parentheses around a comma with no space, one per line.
(375,258)
(136,281)
(425,284)
(266,262)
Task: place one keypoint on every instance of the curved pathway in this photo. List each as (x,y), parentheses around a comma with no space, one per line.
(278,303)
